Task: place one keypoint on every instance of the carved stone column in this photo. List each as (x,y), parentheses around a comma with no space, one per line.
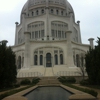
(70,62)
(16,34)
(4,42)
(91,42)
(27,50)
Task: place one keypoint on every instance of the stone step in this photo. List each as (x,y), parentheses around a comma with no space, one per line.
(49,78)
(48,81)
(49,72)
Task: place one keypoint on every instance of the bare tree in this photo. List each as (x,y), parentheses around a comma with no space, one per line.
(82,69)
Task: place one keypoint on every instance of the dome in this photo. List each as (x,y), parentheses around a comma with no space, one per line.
(47,19)
(35,4)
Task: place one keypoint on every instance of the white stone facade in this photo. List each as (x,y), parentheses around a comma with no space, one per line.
(48,41)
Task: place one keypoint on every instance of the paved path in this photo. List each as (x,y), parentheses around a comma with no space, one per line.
(12,89)
(97,90)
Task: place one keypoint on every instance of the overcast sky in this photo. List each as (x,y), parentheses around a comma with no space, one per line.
(87,11)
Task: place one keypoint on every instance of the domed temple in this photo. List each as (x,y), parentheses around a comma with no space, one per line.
(48,40)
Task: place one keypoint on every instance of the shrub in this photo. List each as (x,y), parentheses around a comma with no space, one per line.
(92,92)
(84,82)
(17,85)
(71,80)
(25,82)
(12,92)
(35,80)
(63,79)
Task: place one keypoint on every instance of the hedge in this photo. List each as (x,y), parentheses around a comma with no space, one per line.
(25,82)
(89,91)
(12,92)
(35,80)
(64,79)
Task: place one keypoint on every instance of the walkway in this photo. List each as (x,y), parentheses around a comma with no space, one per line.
(97,90)
(12,89)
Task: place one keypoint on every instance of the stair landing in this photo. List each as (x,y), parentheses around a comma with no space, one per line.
(49,81)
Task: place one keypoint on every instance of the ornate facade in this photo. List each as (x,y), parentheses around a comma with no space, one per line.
(48,40)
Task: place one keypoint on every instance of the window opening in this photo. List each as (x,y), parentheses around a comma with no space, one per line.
(35,60)
(32,13)
(41,59)
(42,11)
(61,58)
(51,10)
(57,12)
(56,59)
(37,12)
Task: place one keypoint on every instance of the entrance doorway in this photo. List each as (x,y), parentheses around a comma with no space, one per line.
(48,60)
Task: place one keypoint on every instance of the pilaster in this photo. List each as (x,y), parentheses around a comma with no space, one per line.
(47,18)
(16,34)
(70,62)
(23,23)
(58,58)
(79,34)
(27,50)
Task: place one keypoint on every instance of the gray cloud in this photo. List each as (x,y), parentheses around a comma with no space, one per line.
(87,11)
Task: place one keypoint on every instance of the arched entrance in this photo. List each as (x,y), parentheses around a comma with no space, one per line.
(48,60)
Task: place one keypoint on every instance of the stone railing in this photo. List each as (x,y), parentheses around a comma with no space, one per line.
(29,74)
(67,73)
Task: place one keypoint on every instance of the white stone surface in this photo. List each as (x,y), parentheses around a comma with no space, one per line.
(44,29)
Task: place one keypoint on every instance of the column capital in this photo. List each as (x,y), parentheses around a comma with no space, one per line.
(90,39)
(16,23)
(91,42)
(26,32)
(4,42)
(68,31)
(78,22)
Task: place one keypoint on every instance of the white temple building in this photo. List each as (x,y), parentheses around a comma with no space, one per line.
(48,40)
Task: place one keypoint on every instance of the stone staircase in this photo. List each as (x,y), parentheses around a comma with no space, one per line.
(45,81)
(49,72)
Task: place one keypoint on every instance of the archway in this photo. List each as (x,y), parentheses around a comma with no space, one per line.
(48,60)
(19,62)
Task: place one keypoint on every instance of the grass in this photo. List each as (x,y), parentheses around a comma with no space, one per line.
(6,89)
(16,90)
(11,92)
(67,82)
(92,86)
(89,91)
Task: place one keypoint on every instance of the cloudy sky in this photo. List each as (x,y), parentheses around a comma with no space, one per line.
(87,11)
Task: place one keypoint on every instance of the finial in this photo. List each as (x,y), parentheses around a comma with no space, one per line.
(4,42)
(78,22)
(91,42)
(16,23)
